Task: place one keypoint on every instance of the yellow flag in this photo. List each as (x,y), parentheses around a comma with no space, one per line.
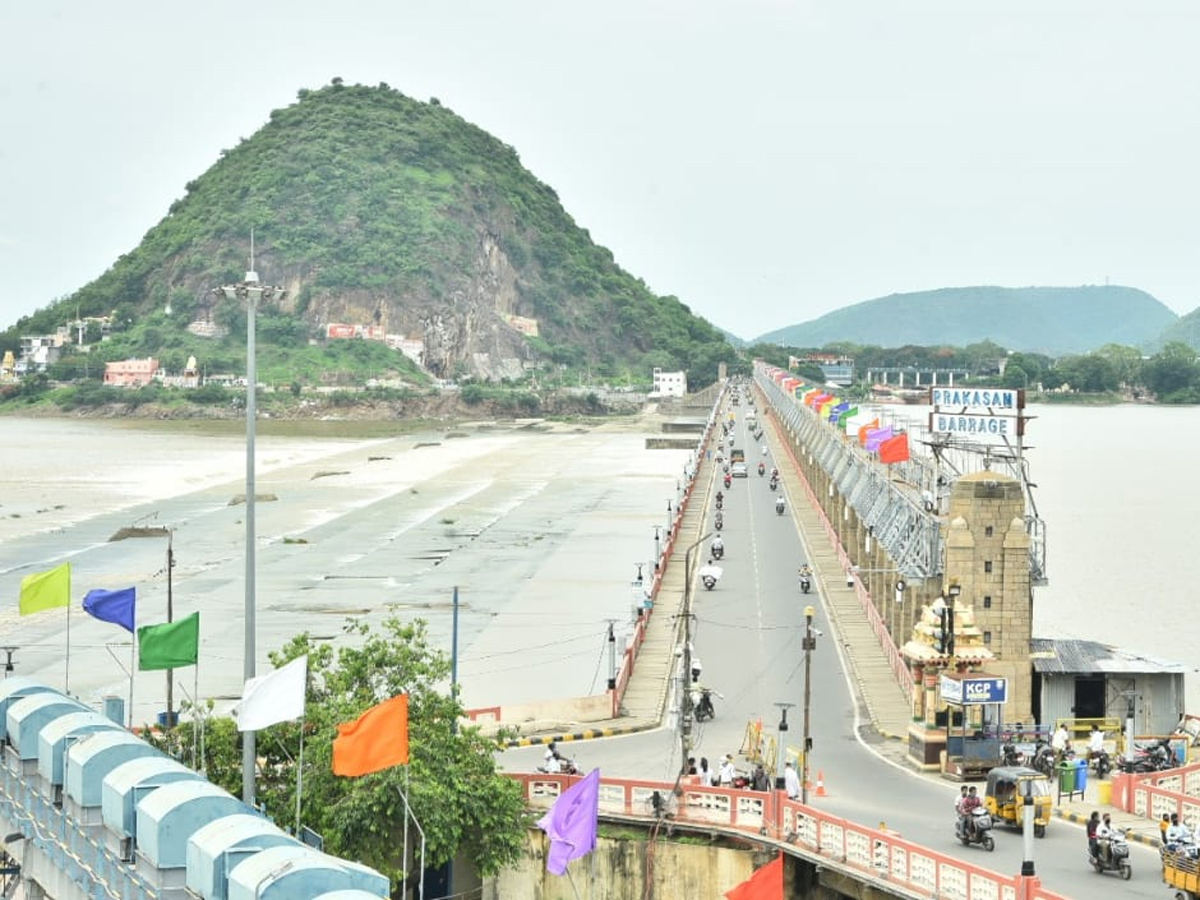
(46,590)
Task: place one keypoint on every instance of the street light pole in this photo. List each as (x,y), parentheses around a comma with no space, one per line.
(685,690)
(251,292)
(781,753)
(809,644)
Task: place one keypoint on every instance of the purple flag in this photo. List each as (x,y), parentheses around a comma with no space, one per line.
(877,436)
(112,606)
(572,822)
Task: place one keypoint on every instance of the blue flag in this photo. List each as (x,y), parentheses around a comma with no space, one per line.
(112,606)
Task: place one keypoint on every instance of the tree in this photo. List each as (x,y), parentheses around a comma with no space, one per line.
(463,804)
(1172,370)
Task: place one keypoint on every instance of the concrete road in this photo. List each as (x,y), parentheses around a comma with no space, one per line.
(748,633)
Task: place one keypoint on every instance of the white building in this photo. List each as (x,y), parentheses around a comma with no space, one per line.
(669,384)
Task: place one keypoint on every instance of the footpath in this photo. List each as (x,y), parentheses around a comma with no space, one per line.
(884,708)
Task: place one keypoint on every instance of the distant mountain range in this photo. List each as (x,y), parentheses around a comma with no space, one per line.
(1051,320)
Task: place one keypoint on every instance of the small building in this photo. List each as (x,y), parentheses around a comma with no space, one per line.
(1075,679)
(130,372)
(669,384)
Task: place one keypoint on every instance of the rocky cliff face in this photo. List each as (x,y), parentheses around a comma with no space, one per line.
(465,333)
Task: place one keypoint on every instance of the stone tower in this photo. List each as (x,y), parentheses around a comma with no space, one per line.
(987,553)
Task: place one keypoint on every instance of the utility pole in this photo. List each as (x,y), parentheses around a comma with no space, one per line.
(809,645)
(685,688)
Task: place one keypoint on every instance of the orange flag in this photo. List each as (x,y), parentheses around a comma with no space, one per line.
(765,884)
(376,740)
(894,450)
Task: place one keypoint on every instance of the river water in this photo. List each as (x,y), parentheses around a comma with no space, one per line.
(1113,484)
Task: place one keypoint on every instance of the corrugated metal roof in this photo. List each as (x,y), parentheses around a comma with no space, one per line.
(1076,657)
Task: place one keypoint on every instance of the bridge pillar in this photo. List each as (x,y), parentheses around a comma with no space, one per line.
(987,551)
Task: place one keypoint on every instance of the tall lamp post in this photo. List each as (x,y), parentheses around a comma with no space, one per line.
(251,292)
(685,690)
(809,645)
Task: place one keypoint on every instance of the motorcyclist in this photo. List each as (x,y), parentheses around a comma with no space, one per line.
(1104,833)
(728,481)
(806,571)
(720,496)
(718,547)
(1093,825)
(762,469)
(779,505)
(969,804)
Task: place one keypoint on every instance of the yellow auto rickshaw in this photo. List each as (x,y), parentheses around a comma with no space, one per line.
(1005,796)
(1181,871)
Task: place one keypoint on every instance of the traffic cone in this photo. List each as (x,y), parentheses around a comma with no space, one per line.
(820,783)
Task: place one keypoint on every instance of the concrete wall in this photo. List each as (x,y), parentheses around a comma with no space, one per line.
(626,868)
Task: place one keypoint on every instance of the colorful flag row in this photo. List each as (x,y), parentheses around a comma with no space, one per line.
(891,447)
(376,740)
(171,645)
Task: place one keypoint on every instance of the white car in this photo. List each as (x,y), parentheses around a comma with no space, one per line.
(738,470)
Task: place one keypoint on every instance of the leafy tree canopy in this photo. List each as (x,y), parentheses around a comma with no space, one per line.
(463,804)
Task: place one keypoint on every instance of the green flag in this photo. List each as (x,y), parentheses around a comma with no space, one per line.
(45,590)
(169,646)
(847,416)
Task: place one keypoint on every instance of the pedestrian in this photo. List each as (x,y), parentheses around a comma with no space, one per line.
(791,781)
(691,767)
(704,773)
(728,772)
(760,781)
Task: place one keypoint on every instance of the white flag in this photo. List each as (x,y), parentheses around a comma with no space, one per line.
(270,699)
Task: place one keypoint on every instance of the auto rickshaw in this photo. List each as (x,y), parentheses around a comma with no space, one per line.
(1181,871)
(1005,796)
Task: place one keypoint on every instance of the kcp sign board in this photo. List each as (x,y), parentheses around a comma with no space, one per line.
(968,691)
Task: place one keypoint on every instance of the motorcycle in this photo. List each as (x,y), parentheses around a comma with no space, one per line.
(1012,756)
(780,506)
(720,503)
(718,521)
(718,550)
(1154,758)
(805,584)
(976,829)
(1102,762)
(565,766)
(703,705)
(708,581)
(728,481)
(762,470)
(1043,758)
(774,483)
(1116,859)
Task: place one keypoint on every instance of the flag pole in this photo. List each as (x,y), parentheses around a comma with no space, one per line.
(67,678)
(195,714)
(299,777)
(420,831)
(132,669)
(572,881)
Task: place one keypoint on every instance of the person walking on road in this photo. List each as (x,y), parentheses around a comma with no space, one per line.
(791,781)
(728,772)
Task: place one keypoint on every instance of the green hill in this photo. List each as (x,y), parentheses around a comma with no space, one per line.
(1050,320)
(380,211)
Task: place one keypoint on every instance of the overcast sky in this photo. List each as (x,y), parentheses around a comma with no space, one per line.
(766,161)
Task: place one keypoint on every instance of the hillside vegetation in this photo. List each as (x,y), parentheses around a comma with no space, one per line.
(374,209)
(1050,320)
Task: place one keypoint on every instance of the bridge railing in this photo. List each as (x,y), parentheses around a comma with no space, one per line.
(871,855)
